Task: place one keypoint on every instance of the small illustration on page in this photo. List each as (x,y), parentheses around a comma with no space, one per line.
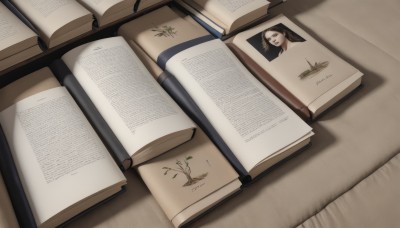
(165,30)
(184,168)
(314,68)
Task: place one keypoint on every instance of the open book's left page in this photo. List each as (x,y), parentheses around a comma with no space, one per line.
(140,113)
(63,166)
(57,21)
(15,38)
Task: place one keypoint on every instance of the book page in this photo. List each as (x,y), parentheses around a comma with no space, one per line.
(13,33)
(228,12)
(251,120)
(304,66)
(7,215)
(35,82)
(160,30)
(130,100)
(186,174)
(59,157)
(101,6)
(51,15)
(107,11)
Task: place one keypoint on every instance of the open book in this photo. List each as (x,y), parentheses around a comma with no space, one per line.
(225,17)
(258,128)
(108,11)
(57,21)
(303,66)
(140,114)
(63,166)
(17,41)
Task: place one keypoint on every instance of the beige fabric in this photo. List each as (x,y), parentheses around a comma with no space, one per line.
(352,140)
(374,202)
(7,216)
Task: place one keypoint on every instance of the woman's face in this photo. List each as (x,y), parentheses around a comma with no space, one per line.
(275,38)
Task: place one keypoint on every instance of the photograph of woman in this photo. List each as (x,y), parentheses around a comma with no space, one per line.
(275,40)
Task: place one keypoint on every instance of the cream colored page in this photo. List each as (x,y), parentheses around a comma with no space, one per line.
(151,66)
(289,66)
(59,157)
(250,119)
(147,31)
(229,11)
(51,15)
(171,186)
(35,82)
(13,31)
(100,6)
(7,215)
(130,100)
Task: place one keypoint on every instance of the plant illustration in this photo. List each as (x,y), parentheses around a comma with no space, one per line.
(165,30)
(184,168)
(314,68)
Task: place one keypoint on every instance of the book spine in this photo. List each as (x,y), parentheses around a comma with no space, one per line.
(14,186)
(112,143)
(179,94)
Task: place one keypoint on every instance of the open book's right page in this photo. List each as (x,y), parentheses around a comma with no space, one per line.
(312,73)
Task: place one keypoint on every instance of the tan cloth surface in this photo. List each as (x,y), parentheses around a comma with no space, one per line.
(374,202)
(352,140)
(7,217)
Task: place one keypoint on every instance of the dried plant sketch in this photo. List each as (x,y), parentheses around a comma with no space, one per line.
(184,169)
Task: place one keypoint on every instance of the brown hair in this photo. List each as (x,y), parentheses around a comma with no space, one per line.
(281,29)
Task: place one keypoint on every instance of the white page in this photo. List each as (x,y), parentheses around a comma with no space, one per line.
(130,100)
(59,157)
(251,120)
